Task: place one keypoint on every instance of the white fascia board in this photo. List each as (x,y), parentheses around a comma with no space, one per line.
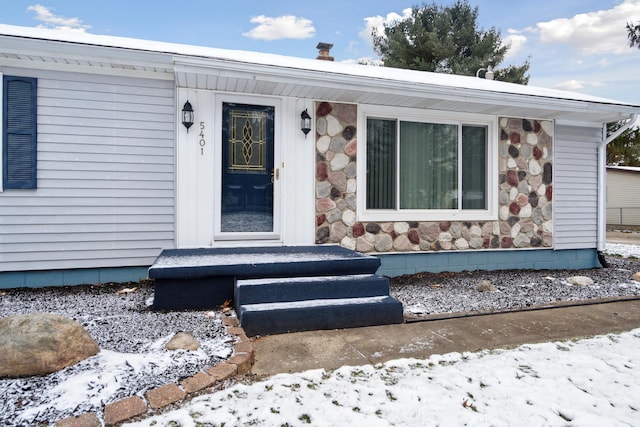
(88,69)
(316,73)
(278,74)
(46,54)
(303,65)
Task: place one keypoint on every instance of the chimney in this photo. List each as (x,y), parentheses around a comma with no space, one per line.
(323,54)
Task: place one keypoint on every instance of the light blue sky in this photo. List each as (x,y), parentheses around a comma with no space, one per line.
(577,45)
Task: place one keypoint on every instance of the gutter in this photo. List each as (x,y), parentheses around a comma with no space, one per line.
(602,183)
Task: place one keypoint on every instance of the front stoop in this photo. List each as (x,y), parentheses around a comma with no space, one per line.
(278,289)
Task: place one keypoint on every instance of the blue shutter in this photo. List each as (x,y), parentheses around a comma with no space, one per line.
(19,154)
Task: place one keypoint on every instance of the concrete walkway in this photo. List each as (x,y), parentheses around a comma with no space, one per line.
(300,351)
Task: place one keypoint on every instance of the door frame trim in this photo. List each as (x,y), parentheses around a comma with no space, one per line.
(276,103)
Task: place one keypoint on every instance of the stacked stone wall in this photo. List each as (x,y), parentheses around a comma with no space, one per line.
(525,193)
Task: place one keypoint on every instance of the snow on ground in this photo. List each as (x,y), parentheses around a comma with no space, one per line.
(133,360)
(85,386)
(590,382)
(626,251)
(132,357)
(105,377)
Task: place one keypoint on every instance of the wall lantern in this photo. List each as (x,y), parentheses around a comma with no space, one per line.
(305,123)
(187,115)
(488,72)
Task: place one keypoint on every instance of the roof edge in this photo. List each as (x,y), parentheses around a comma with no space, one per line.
(189,54)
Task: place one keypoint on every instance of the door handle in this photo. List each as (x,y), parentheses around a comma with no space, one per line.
(276,173)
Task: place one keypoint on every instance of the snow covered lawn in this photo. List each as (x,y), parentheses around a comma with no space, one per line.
(626,251)
(590,382)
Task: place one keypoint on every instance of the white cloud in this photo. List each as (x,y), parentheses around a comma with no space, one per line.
(570,85)
(516,42)
(378,22)
(577,84)
(366,60)
(281,27)
(599,32)
(50,20)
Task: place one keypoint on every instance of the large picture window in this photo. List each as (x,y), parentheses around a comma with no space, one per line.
(427,169)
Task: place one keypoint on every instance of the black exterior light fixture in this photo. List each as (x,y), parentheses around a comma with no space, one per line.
(305,122)
(187,115)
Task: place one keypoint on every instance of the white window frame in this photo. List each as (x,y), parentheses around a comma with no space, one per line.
(429,116)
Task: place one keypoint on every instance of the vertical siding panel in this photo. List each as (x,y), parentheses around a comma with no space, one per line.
(106,163)
(575,187)
(623,196)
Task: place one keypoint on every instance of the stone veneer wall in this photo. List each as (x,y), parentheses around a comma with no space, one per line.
(525,193)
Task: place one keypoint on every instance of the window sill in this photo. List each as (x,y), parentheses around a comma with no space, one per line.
(422,216)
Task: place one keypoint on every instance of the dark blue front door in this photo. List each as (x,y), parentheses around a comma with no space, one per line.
(247,168)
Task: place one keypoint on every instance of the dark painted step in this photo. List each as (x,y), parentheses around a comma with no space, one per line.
(260,262)
(309,315)
(205,278)
(252,291)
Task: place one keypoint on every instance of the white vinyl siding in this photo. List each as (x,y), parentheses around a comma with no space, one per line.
(105,194)
(575,187)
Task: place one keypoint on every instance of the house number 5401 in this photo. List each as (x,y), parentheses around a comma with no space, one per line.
(202,141)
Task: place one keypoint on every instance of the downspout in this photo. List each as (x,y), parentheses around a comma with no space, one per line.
(602,184)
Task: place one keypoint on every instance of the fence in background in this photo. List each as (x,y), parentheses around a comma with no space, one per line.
(623,216)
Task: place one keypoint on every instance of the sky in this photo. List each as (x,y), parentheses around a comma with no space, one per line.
(578,45)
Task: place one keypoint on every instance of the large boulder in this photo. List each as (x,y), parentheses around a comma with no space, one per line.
(41,343)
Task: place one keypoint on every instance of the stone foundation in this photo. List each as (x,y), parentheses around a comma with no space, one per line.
(524,194)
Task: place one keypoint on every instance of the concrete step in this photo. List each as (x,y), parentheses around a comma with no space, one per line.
(260,262)
(253,291)
(309,315)
(194,279)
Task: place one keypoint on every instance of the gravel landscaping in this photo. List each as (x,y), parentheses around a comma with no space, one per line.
(132,359)
(132,336)
(426,294)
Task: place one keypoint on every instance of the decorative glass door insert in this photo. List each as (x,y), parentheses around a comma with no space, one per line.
(247,168)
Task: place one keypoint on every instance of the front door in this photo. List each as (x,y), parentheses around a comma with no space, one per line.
(248,174)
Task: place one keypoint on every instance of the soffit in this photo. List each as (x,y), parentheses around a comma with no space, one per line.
(76,57)
(349,89)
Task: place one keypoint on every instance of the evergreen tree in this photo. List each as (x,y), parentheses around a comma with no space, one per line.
(625,149)
(445,40)
(634,34)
